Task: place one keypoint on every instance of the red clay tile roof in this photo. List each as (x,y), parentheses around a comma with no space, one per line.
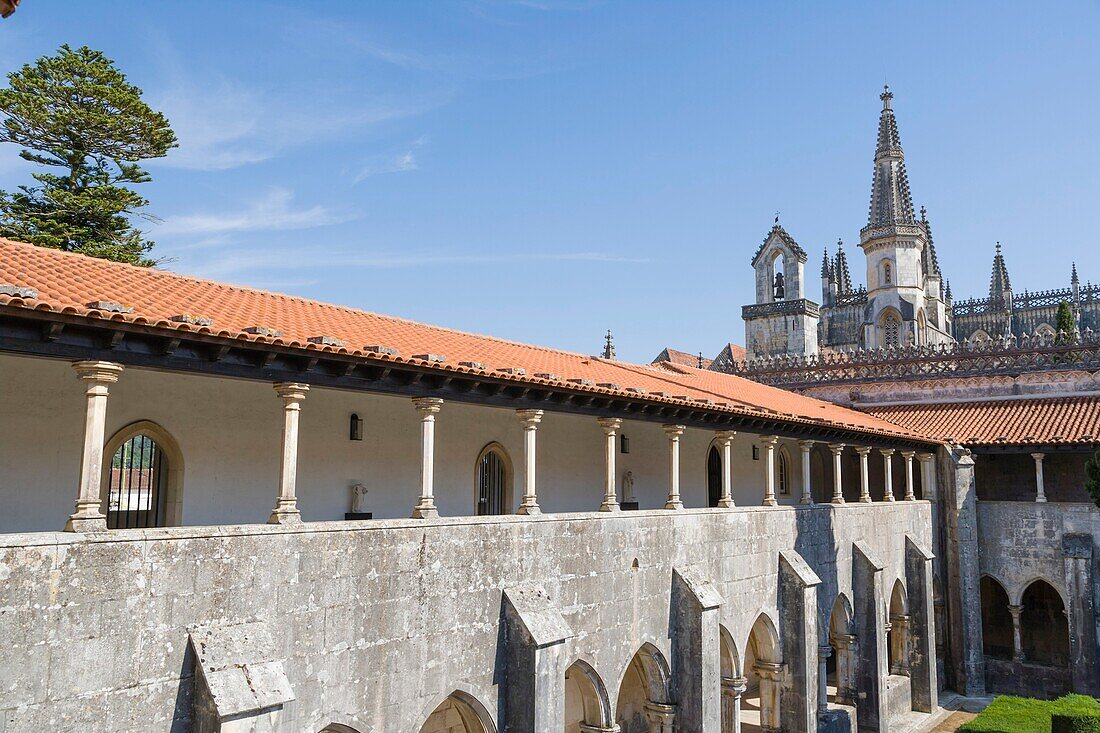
(69,283)
(1051,421)
(682,358)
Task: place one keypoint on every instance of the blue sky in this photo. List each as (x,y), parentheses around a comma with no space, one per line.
(543,170)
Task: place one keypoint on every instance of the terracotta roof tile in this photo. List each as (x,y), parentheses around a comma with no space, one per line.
(1050,421)
(67,283)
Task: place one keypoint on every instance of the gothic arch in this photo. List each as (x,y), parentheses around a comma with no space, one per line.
(338,728)
(1044,625)
(922,325)
(644,682)
(474,716)
(890,326)
(887,273)
(731,660)
(715,471)
(996,619)
(172,479)
(840,668)
(494,478)
(762,667)
(586,699)
(897,618)
(783,475)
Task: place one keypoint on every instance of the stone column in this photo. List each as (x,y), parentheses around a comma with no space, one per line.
(1040,490)
(661,717)
(530,420)
(732,690)
(696,656)
(1077,552)
(769,674)
(674,432)
(725,440)
(823,654)
(769,442)
(846,648)
(928,475)
(838,473)
(920,650)
(910,491)
(899,642)
(97,375)
(428,407)
(871,664)
(1017,640)
(807,488)
(286,504)
(888,473)
(610,426)
(864,475)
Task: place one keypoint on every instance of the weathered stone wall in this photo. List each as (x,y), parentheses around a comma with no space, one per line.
(375,623)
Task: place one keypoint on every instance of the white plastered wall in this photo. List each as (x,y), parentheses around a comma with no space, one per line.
(228,431)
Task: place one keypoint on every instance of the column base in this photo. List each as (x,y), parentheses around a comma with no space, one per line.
(910,497)
(285,516)
(610,506)
(1041,500)
(677,504)
(807,500)
(86,523)
(889,498)
(726,504)
(865,499)
(771,502)
(526,509)
(425,512)
(837,499)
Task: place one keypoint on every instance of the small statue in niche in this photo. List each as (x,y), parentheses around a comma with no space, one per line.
(628,486)
(780,291)
(358,498)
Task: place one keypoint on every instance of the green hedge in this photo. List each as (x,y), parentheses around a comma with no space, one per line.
(1009,714)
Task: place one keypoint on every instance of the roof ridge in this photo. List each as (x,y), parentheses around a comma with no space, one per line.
(299,298)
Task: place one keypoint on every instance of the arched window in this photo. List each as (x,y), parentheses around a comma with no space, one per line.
(494,481)
(996,619)
(714,476)
(783,472)
(887,273)
(143,482)
(459,713)
(891,329)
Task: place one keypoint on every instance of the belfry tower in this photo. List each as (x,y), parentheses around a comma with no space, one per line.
(904,305)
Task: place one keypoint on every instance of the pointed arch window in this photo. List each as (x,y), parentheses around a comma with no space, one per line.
(890,325)
(494,481)
(783,472)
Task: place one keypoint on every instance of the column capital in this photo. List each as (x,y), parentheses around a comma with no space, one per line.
(862,450)
(908,454)
(925,457)
(673,431)
(887,452)
(291,391)
(837,448)
(1038,457)
(769,439)
(768,670)
(427,405)
(609,424)
(724,435)
(807,445)
(735,685)
(529,418)
(102,372)
(1015,610)
(824,652)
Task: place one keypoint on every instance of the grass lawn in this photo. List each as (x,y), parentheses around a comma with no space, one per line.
(1010,714)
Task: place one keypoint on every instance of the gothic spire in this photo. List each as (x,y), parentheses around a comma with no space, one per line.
(891,202)
(1000,288)
(1073,279)
(608,346)
(947,291)
(826,266)
(931,262)
(843,277)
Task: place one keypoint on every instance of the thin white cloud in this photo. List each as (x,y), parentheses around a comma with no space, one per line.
(272,212)
(244,260)
(392,163)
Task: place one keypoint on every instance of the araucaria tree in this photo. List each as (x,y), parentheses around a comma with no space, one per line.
(75,114)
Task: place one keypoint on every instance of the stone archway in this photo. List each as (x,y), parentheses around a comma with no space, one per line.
(841,670)
(459,712)
(587,707)
(763,667)
(997,631)
(1043,625)
(733,684)
(898,630)
(643,704)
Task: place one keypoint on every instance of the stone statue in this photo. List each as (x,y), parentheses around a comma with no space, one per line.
(628,486)
(780,291)
(359,498)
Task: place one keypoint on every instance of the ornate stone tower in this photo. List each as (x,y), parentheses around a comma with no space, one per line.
(782,321)
(898,255)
